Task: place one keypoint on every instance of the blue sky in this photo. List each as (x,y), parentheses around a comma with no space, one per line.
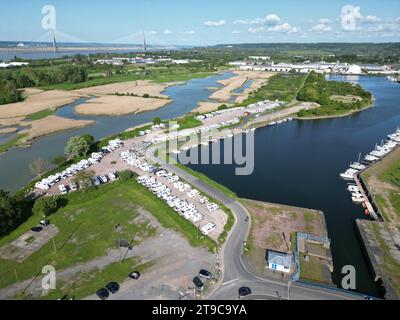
(204,22)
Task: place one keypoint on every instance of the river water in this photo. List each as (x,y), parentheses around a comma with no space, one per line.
(14,164)
(298,163)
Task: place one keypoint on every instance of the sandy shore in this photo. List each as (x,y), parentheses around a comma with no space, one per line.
(11,121)
(259,78)
(229,85)
(206,106)
(224,94)
(120,105)
(138,88)
(8,130)
(37,100)
(53,124)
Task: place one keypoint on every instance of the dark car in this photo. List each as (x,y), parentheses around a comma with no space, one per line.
(36,229)
(198,283)
(103,293)
(113,287)
(205,274)
(244,291)
(134,275)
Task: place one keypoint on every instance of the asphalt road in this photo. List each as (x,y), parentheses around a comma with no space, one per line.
(236,273)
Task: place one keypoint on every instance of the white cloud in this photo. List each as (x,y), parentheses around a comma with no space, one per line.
(270,19)
(188,32)
(152,32)
(219,23)
(320,27)
(279,28)
(372,19)
(324,21)
(166,31)
(236,32)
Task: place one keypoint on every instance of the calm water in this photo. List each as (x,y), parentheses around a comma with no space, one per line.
(298,163)
(14,164)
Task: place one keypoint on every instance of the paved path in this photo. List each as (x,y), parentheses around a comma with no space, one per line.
(236,272)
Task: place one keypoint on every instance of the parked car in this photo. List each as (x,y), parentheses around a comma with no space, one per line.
(74,186)
(36,229)
(244,291)
(103,293)
(205,274)
(103,179)
(198,283)
(113,287)
(134,275)
(44,223)
(95,181)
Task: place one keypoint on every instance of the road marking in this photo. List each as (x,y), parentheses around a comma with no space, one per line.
(229,281)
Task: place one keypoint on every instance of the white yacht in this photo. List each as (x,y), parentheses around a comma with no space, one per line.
(357,198)
(357,166)
(370,158)
(348,174)
(353,188)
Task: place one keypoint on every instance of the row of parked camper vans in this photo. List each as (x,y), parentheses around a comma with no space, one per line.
(95,157)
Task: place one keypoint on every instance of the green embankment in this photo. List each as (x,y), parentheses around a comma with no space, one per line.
(160,75)
(39,115)
(86,227)
(332,96)
(279,87)
(13,142)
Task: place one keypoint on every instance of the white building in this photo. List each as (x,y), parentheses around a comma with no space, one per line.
(238,63)
(278,261)
(13,64)
(353,69)
(263,58)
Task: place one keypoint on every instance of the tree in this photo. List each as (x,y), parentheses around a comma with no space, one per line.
(89,138)
(125,175)
(83,178)
(10,212)
(146,95)
(77,146)
(38,166)
(45,206)
(156,120)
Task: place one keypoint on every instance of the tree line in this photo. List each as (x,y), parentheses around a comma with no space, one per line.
(13,80)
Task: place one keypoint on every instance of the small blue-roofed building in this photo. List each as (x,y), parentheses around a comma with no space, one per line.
(278,261)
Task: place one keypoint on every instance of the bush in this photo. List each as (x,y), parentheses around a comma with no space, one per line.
(126,175)
(45,206)
(146,95)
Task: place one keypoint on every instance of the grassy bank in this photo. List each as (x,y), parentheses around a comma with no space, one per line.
(158,75)
(188,121)
(39,115)
(335,98)
(209,181)
(86,224)
(279,87)
(13,142)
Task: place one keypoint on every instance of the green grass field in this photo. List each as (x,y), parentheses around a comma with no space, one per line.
(188,121)
(39,115)
(83,284)
(279,87)
(159,75)
(86,228)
